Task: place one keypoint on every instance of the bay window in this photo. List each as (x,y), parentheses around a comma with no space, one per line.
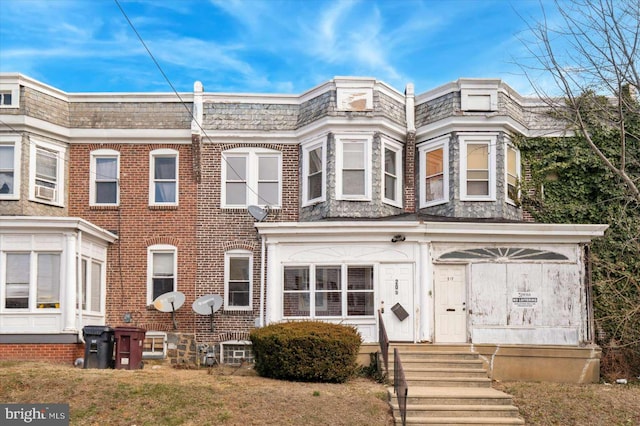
(392,173)
(512,173)
(434,172)
(353,167)
(32,280)
(313,170)
(9,167)
(477,168)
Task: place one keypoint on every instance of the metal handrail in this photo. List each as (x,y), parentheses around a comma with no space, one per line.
(384,342)
(400,387)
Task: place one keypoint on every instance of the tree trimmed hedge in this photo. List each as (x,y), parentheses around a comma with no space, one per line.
(309,351)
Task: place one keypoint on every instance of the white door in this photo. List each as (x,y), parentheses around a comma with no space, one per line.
(450,300)
(396,301)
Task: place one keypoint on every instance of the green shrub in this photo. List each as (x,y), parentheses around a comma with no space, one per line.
(309,351)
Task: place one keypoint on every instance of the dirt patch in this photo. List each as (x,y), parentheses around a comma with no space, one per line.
(168,396)
(571,404)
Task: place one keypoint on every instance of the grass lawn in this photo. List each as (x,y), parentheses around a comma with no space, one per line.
(168,396)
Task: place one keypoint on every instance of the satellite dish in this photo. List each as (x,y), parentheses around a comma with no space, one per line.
(169,302)
(258,213)
(207,305)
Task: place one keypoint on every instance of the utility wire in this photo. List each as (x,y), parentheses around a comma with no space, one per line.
(181,100)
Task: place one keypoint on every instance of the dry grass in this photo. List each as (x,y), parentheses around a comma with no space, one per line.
(570,404)
(168,396)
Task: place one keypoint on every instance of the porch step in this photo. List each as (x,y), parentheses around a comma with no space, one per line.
(453,421)
(450,387)
(460,411)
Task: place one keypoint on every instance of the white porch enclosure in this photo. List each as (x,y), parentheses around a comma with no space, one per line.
(446,282)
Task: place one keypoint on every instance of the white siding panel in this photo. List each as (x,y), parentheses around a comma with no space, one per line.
(525,277)
(488,298)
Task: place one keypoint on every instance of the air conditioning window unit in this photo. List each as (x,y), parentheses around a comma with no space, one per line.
(45,193)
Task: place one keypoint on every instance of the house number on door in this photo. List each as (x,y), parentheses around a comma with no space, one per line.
(396,287)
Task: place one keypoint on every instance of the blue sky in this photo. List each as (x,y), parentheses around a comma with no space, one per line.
(262,46)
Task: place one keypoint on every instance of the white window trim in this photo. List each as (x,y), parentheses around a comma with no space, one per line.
(156,354)
(164,152)
(160,248)
(17,161)
(466,103)
(87,282)
(60,152)
(237,254)
(397,148)
(490,140)
(101,153)
(340,139)
(423,149)
(344,291)
(252,155)
(306,149)
(508,145)
(32,306)
(15,95)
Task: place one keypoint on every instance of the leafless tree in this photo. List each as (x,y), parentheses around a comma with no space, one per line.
(584,64)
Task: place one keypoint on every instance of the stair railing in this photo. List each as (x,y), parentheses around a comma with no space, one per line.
(384,342)
(400,387)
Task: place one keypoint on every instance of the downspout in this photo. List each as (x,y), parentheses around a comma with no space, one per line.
(78,286)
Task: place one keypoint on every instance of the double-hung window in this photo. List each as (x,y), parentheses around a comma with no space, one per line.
(9,167)
(434,172)
(328,291)
(512,174)
(163,177)
(105,171)
(47,172)
(238,287)
(313,169)
(90,286)
(32,280)
(478,167)
(161,271)
(251,176)
(392,173)
(353,166)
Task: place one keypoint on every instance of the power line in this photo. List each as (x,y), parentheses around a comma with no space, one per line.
(180,98)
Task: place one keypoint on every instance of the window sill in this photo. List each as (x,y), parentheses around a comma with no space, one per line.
(103,207)
(433,203)
(161,207)
(478,199)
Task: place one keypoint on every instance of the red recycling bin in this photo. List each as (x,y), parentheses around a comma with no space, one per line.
(129,342)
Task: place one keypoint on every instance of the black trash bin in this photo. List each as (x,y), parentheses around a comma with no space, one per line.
(129,342)
(98,346)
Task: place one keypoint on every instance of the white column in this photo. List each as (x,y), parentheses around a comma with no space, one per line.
(68,284)
(274,286)
(426,293)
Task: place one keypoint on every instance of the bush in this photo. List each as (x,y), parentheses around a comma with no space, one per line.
(309,351)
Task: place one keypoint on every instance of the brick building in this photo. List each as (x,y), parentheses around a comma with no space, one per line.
(346,200)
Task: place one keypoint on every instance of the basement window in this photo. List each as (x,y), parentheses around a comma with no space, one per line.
(155,345)
(236,352)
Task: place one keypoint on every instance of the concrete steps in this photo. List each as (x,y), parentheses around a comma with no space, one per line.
(449,386)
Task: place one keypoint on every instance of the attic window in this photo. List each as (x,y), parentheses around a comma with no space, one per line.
(354,99)
(502,253)
(479,100)
(9,96)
